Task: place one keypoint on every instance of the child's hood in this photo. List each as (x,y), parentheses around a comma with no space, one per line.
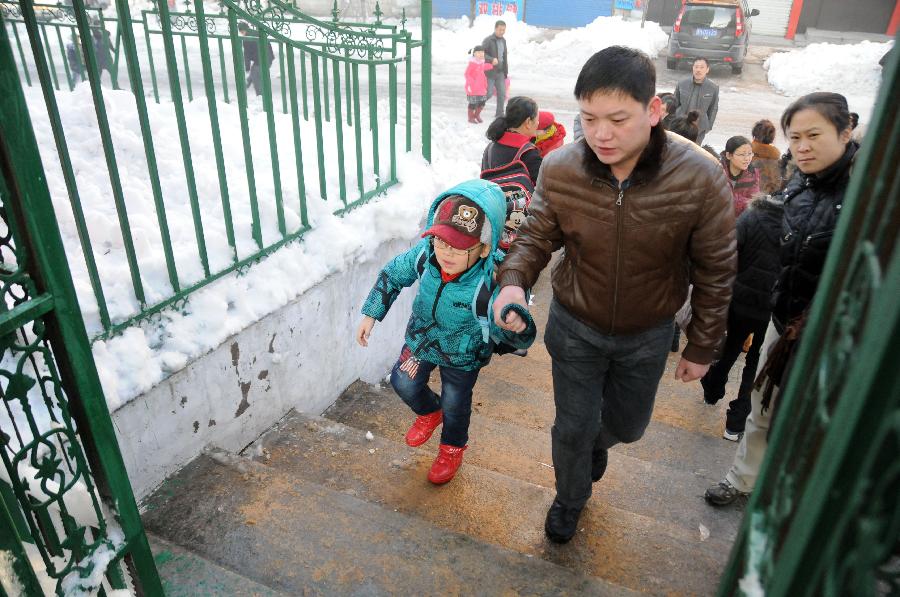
(486,195)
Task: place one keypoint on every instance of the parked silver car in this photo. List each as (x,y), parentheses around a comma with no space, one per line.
(718,30)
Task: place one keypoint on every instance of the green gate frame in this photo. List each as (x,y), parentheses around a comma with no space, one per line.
(44,334)
(824,518)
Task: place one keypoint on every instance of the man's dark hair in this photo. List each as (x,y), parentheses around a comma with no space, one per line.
(854,120)
(617,69)
(243,26)
(832,106)
(499,23)
(700,58)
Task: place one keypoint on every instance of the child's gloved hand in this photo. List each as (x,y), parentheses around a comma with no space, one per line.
(364,331)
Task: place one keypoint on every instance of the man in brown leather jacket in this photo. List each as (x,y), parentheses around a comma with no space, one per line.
(640,214)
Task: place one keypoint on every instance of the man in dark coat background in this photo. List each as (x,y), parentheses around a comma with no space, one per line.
(701,94)
(496,52)
(251,57)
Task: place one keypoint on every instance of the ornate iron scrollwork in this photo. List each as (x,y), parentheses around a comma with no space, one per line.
(40,450)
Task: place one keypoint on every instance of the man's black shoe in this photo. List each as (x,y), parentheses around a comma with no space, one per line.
(562,522)
(599,458)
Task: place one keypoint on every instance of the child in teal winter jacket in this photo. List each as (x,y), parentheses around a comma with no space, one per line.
(450,326)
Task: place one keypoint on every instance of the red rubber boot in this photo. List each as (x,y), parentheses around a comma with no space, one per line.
(471,112)
(423,427)
(448,461)
(478,114)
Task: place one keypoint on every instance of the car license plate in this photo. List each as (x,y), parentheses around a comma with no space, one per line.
(706,32)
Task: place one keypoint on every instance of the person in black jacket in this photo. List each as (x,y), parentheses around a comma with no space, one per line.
(511,132)
(758,234)
(496,52)
(251,58)
(818,128)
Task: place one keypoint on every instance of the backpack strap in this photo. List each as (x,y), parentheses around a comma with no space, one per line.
(421,258)
(481,308)
(528,146)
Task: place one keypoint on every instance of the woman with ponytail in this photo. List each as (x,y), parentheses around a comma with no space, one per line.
(512,137)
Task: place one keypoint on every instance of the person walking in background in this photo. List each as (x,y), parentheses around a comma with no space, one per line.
(742,176)
(497,53)
(701,94)
(686,126)
(550,134)
(765,157)
(758,233)
(252,60)
(669,105)
(476,83)
(512,137)
(624,269)
(818,130)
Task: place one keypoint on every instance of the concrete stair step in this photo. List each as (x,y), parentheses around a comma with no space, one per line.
(678,404)
(622,547)
(186,574)
(663,476)
(274,527)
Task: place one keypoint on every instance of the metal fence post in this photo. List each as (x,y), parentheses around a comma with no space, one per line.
(29,204)
(426,79)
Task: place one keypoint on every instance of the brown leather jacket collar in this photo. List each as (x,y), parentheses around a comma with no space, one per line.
(647,167)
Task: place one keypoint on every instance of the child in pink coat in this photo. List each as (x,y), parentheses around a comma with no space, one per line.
(476,83)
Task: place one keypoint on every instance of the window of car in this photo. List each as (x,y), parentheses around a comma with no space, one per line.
(713,17)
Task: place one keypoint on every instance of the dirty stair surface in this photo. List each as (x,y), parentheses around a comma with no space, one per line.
(313,507)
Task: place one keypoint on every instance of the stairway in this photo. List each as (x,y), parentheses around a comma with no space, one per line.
(313,507)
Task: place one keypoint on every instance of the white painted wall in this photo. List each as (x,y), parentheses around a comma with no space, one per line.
(300,357)
(772,18)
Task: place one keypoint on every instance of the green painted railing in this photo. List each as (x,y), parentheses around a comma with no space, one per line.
(824,519)
(334,75)
(68,518)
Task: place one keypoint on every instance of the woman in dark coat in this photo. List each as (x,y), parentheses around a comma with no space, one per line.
(758,234)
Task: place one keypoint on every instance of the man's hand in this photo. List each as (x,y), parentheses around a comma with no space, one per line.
(510,295)
(364,331)
(495,61)
(687,371)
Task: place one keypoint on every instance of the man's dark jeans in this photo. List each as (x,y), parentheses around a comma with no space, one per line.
(717,376)
(455,398)
(604,387)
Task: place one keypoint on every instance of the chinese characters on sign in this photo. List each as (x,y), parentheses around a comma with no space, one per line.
(496,8)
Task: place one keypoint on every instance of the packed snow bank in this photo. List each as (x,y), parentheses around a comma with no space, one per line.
(851,70)
(535,52)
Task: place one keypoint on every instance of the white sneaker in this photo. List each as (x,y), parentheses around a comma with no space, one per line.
(732,436)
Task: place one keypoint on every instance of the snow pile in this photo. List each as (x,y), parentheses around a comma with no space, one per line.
(851,70)
(535,53)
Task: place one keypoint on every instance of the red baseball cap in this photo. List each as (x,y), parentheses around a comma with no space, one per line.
(458,222)
(545,119)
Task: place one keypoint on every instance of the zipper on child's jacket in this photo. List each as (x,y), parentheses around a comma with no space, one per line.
(437,297)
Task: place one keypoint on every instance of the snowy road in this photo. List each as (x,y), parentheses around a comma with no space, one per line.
(744,98)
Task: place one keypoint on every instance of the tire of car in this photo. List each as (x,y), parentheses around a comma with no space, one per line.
(671,63)
(737,68)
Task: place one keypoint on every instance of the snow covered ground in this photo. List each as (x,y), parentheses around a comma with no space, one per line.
(142,356)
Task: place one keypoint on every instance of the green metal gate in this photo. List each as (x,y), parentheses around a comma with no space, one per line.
(68,518)
(824,518)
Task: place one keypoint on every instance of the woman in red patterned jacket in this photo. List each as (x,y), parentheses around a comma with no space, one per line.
(743,178)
